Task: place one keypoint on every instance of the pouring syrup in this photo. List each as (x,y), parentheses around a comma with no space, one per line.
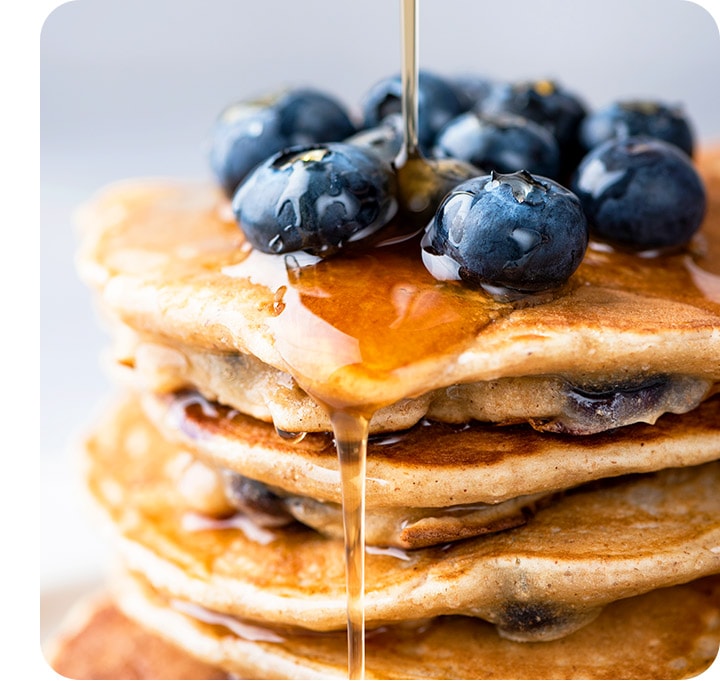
(422,182)
(416,178)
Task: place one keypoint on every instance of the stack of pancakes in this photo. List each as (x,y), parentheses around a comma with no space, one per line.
(543,478)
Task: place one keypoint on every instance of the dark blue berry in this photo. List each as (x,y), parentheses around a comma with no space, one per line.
(247,133)
(640,193)
(503,142)
(438,102)
(632,118)
(256,499)
(472,89)
(315,198)
(385,140)
(507,233)
(547,103)
(308,116)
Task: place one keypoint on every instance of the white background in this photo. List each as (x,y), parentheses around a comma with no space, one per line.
(131,88)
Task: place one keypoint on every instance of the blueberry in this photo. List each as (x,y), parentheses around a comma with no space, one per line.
(385,140)
(472,89)
(503,142)
(308,116)
(255,499)
(508,234)
(247,133)
(640,193)
(315,198)
(632,118)
(438,102)
(547,103)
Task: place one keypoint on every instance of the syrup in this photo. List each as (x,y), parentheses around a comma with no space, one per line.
(351,429)
(409,28)
(351,436)
(421,182)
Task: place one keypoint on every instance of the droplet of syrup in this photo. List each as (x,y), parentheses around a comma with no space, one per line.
(293,438)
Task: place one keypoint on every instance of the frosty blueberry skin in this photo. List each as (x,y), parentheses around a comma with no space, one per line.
(619,120)
(511,233)
(246,133)
(309,116)
(315,198)
(503,142)
(640,193)
(438,102)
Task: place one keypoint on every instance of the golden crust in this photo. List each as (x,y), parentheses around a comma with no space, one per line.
(437,465)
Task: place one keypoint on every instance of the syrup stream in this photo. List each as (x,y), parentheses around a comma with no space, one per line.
(411,147)
(351,435)
(351,430)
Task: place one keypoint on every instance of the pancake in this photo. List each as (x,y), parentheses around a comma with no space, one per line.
(434,464)
(625,339)
(99,642)
(601,543)
(636,638)
(433,484)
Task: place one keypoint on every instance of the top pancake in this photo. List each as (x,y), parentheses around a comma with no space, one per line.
(371,329)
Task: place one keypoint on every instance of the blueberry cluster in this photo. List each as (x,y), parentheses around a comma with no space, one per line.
(540,175)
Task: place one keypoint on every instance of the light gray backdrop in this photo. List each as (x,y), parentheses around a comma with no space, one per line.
(131,87)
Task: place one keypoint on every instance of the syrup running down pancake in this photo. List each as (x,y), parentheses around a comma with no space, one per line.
(636,638)
(548,465)
(616,499)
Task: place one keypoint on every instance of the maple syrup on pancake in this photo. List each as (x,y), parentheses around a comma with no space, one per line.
(372,312)
(351,428)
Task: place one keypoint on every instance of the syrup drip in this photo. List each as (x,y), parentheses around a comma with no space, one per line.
(351,436)
(351,429)
(422,182)
(401,317)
